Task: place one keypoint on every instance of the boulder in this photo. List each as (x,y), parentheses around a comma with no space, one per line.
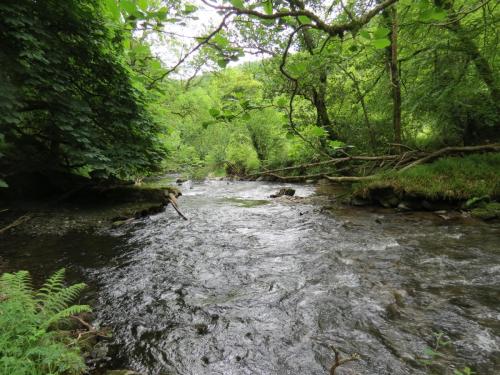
(284,191)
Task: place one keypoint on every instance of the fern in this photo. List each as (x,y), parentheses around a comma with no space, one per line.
(28,345)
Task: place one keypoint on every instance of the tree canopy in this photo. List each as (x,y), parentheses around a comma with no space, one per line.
(85,85)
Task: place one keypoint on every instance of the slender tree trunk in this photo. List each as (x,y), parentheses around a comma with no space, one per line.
(391,16)
(395,80)
(318,92)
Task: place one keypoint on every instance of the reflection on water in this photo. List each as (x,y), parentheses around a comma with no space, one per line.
(253,288)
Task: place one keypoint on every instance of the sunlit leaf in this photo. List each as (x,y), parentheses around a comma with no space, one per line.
(381,43)
(304,20)
(268,6)
(237,3)
(381,32)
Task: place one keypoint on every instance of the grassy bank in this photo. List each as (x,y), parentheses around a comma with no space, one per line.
(452,178)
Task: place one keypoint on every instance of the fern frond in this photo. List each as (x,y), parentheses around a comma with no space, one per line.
(53,285)
(55,302)
(66,313)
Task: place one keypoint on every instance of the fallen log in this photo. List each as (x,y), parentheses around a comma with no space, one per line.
(15,223)
(326,162)
(173,201)
(451,150)
(348,178)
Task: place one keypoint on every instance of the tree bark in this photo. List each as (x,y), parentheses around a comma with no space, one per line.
(391,16)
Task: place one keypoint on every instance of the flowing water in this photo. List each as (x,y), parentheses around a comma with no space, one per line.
(251,285)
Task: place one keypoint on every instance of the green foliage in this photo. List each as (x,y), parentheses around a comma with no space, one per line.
(28,343)
(67,96)
(453,178)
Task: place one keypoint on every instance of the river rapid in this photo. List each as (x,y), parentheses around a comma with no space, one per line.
(253,285)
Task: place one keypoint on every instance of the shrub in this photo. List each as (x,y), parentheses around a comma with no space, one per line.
(29,342)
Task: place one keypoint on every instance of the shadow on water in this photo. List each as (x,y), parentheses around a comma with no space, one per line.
(251,285)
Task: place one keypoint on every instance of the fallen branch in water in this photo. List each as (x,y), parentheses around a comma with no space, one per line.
(339,361)
(15,223)
(173,201)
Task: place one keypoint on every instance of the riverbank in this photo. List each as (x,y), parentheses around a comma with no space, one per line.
(470,183)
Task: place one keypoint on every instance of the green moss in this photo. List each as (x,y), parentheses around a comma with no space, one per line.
(487,212)
(452,178)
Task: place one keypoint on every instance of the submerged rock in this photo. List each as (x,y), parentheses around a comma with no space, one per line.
(284,191)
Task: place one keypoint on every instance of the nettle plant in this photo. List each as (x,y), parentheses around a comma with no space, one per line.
(29,341)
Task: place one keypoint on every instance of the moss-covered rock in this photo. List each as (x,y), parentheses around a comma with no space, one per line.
(489,211)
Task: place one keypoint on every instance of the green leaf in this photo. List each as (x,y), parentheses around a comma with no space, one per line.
(190,8)
(143,4)
(381,32)
(381,43)
(3,184)
(433,14)
(237,4)
(268,6)
(282,102)
(304,20)
(221,40)
(365,34)
(128,6)
(214,112)
(246,116)
(222,63)
(298,68)
(112,7)
(316,131)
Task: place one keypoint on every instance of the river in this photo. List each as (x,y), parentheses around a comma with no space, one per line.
(252,285)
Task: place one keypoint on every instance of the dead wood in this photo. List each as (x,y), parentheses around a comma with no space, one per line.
(15,223)
(173,201)
(451,150)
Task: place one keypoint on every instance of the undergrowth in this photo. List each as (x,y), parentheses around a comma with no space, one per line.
(452,178)
(30,343)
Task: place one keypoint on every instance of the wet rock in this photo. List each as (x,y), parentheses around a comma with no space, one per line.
(214,317)
(122,372)
(180,181)
(284,192)
(201,328)
(360,202)
(385,197)
(403,207)
(476,202)
(309,181)
(205,360)
(400,297)
(392,311)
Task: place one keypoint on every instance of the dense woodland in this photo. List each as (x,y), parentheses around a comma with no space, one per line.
(83,90)
(110,92)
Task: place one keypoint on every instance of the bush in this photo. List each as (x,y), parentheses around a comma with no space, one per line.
(241,159)
(29,344)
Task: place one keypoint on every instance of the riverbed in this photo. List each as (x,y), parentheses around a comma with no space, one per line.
(254,285)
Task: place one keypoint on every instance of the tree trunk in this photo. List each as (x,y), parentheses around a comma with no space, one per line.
(391,16)
(318,92)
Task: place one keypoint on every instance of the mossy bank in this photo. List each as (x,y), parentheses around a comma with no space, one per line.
(469,182)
